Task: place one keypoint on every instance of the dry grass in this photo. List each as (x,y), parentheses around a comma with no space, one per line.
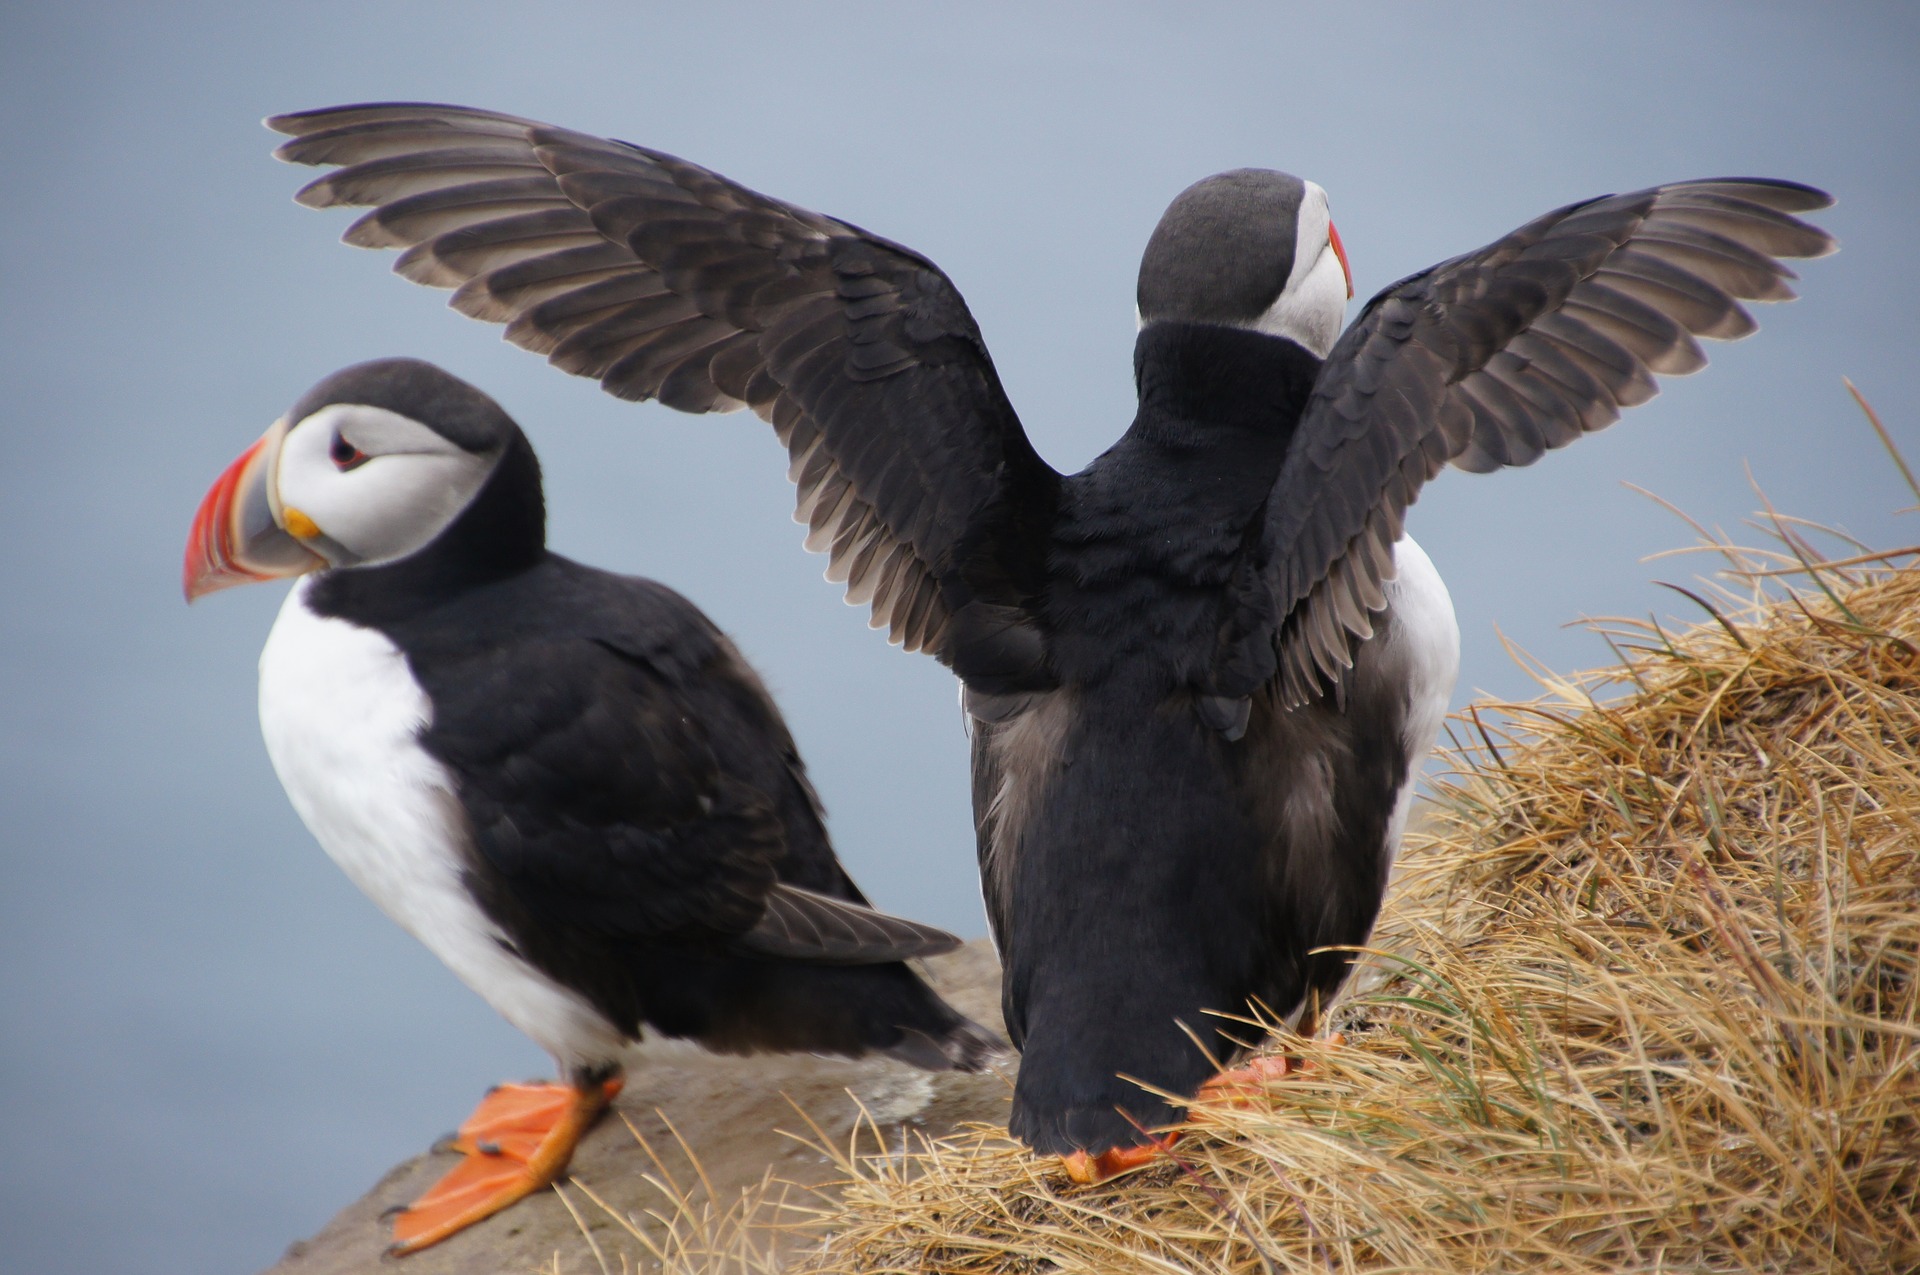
(1645,998)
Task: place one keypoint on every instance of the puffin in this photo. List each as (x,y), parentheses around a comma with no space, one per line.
(1202,673)
(566,783)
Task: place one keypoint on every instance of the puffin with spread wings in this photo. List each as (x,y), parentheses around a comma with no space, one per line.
(1202,672)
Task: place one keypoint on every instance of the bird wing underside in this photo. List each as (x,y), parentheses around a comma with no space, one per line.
(1488,360)
(663,280)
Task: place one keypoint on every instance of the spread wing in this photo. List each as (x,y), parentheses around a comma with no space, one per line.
(663,280)
(1492,359)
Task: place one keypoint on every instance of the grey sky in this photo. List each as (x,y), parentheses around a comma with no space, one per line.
(208,1040)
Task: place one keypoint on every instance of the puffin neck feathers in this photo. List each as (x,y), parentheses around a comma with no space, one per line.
(1217,375)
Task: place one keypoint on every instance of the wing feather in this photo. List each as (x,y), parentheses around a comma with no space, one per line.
(803,925)
(663,280)
(1493,359)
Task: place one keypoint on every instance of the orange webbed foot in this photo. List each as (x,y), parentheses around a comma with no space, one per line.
(1236,1087)
(517,1141)
(1240,1085)
(1086,1169)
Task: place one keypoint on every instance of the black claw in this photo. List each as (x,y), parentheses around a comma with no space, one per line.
(487,1148)
(387,1214)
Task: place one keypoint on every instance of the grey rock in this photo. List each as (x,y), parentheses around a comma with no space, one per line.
(743,1118)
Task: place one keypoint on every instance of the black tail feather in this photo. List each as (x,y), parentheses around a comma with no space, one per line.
(748,1006)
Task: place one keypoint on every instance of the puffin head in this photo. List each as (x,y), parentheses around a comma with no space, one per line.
(1251,248)
(371,466)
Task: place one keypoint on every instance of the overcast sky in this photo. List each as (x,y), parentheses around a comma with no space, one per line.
(208,1040)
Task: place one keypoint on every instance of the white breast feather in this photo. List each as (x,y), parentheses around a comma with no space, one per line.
(341,714)
(1425,638)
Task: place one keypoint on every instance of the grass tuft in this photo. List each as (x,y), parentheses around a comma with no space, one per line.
(1645,996)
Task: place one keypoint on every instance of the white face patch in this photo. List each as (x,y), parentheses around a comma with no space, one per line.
(377,484)
(1312,308)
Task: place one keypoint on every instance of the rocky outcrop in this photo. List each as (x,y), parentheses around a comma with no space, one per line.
(736,1115)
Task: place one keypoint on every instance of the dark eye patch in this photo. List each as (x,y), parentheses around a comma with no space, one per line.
(345,455)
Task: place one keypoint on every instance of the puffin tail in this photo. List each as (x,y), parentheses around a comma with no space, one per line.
(753,1004)
(965,1046)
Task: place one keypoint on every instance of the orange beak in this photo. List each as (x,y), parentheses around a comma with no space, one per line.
(236,536)
(1340,251)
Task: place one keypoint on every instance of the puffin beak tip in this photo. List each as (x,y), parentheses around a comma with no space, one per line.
(235,538)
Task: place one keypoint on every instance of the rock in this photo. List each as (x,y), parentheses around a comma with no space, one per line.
(734,1113)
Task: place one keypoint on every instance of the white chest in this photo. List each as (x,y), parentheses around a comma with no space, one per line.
(342,717)
(342,714)
(1424,647)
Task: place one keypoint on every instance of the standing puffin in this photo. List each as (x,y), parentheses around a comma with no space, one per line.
(566,783)
(1202,672)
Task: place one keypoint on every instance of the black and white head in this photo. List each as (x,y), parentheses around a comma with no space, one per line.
(371,466)
(1251,248)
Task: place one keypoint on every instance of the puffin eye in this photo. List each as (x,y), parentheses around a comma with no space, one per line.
(345,455)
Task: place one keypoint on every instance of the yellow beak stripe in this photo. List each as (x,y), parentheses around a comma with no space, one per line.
(298,524)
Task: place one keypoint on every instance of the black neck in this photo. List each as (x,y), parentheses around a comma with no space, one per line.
(1198,373)
(501,533)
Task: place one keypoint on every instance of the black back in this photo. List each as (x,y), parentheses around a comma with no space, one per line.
(1151,871)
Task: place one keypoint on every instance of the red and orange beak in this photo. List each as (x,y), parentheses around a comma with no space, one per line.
(237,537)
(1340,251)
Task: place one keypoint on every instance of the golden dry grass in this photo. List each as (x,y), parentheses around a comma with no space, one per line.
(1645,998)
